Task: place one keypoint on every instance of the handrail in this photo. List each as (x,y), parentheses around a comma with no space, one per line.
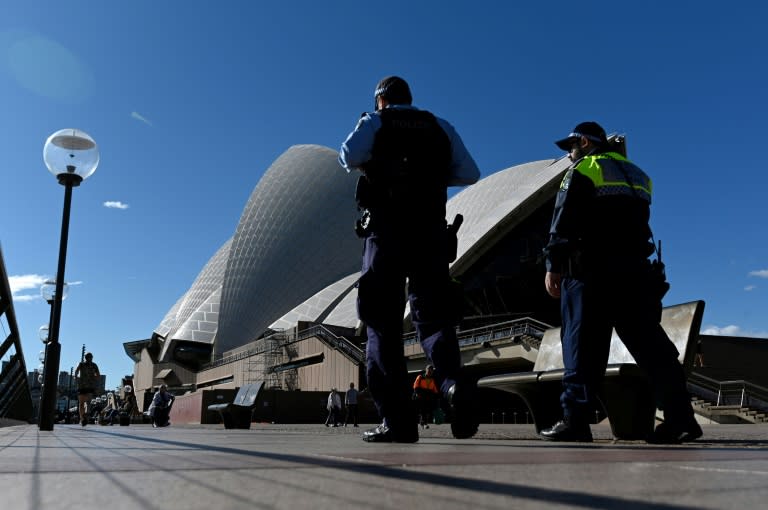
(746,392)
(530,330)
(340,343)
(523,327)
(261,347)
(325,335)
(15,397)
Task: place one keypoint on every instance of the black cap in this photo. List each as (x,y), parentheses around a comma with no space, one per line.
(394,89)
(88,355)
(591,130)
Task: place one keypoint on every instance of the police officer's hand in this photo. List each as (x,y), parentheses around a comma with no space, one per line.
(552,283)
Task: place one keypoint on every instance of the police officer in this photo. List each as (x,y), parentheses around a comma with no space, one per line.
(408,158)
(597,264)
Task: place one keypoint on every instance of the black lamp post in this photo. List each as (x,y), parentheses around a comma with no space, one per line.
(72,156)
(48,293)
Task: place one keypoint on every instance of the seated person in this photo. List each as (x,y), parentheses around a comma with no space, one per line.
(130,407)
(160,407)
(111,411)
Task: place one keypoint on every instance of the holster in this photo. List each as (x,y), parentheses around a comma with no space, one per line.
(574,265)
(363,193)
(363,224)
(659,286)
(452,237)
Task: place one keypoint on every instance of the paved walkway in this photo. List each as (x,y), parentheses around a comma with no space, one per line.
(311,466)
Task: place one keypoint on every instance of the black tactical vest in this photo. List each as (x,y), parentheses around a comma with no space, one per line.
(408,171)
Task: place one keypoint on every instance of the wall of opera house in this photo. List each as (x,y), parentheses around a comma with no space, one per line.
(293,364)
(505,282)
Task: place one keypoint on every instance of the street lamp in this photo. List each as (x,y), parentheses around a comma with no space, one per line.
(48,292)
(72,156)
(43,332)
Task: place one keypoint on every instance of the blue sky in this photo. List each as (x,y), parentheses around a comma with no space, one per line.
(191,101)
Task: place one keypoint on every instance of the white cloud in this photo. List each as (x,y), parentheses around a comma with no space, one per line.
(25,288)
(750,287)
(115,204)
(21,286)
(733,330)
(26,297)
(140,117)
(761,273)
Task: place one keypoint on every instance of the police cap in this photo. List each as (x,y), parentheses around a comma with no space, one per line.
(591,130)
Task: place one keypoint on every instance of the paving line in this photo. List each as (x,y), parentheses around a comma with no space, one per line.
(352,459)
(706,469)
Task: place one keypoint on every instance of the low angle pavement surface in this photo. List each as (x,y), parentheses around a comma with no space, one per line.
(312,466)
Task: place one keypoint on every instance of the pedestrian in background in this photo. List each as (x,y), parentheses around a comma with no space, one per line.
(334,409)
(425,395)
(88,375)
(350,402)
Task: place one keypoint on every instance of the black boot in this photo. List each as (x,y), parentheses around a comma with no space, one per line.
(567,430)
(671,432)
(385,434)
(464,422)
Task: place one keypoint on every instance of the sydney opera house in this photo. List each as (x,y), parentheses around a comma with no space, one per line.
(293,261)
(276,303)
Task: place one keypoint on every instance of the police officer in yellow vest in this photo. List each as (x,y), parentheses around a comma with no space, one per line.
(598,266)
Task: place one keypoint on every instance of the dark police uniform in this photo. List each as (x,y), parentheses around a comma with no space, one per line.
(409,158)
(600,244)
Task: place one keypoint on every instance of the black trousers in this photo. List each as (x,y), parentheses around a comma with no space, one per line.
(390,259)
(591,307)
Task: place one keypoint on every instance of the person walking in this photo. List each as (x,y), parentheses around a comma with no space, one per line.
(408,158)
(425,394)
(334,408)
(597,261)
(88,375)
(350,402)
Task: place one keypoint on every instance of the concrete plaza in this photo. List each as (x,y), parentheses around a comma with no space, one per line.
(311,466)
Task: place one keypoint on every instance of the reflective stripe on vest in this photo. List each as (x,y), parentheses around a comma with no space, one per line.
(607,173)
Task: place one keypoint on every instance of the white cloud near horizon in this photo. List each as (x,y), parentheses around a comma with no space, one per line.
(26,287)
(141,118)
(732,330)
(22,284)
(761,273)
(750,287)
(115,204)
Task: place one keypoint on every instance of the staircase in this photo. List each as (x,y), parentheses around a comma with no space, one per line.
(728,413)
(731,401)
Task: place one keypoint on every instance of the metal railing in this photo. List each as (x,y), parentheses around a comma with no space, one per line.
(335,341)
(526,329)
(260,347)
(266,344)
(15,395)
(733,392)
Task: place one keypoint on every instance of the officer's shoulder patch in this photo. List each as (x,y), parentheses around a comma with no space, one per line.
(566,182)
